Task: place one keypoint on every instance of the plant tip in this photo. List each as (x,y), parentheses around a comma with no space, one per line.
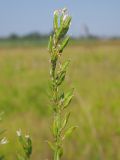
(4,141)
(19,132)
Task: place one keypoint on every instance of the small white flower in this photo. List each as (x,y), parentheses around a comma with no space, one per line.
(65,16)
(4,141)
(61,11)
(27,136)
(64,10)
(19,133)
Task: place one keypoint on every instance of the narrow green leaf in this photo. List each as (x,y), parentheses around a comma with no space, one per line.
(61,74)
(68,98)
(50,44)
(55,127)
(61,32)
(53,58)
(64,27)
(69,132)
(61,78)
(29,146)
(64,43)
(61,19)
(60,151)
(19,157)
(55,20)
(67,22)
(22,140)
(61,96)
(65,121)
(65,65)
(51,145)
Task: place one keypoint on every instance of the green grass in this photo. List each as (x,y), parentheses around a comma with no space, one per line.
(94,73)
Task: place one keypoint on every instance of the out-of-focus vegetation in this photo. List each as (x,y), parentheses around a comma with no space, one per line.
(94,73)
(37,39)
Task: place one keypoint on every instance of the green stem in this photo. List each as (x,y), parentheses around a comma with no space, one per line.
(57,117)
(56,45)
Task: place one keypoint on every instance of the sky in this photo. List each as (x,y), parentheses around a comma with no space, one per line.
(102,17)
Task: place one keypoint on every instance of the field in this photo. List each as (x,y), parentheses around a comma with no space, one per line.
(94,72)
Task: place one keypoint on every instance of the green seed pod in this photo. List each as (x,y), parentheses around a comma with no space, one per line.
(64,43)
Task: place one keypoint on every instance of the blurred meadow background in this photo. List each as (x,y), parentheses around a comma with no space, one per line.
(94,72)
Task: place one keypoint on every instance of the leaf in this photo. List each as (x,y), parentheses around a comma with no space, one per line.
(61,19)
(61,32)
(19,157)
(61,75)
(65,65)
(61,96)
(69,132)
(60,151)
(61,78)
(2,157)
(29,146)
(50,44)
(55,127)
(55,21)
(67,22)
(65,121)
(51,145)
(68,98)
(54,58)
(64,43)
